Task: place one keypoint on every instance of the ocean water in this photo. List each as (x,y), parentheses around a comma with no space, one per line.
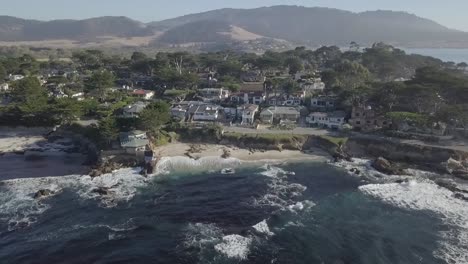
(264,213)
(455,55)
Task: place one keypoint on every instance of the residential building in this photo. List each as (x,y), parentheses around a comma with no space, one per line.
(15,77)
(366,119)
(252,76)
(4,87)
(185,109)
(143,94)
(332,120)
(133,110)
(273,114)
(134,142)
(247,113)
(249,97)
(207,112)
(323,102)
(214,94)
(78,96)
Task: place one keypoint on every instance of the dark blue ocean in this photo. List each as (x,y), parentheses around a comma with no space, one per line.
(261,214)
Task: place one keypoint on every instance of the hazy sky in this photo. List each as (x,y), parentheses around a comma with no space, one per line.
(451,13)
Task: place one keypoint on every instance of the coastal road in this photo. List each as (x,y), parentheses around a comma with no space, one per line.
(296,131)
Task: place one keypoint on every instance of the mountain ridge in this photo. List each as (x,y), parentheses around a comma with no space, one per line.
(313,26)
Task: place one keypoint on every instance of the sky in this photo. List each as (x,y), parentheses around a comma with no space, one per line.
(450,13)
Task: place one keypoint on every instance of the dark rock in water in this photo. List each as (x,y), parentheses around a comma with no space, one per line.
(101,191)
(385,166)
(42,193)
(400,181)
(355,171)
(461,174)
(447,184)
(460,196)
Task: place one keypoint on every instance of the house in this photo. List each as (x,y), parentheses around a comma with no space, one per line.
(280,113)
(214,94)
(78,96)
(143,94)
(4,87)
(287,100)
(257,97)
(252,76)
(323,102)
(247,87)
(133,110)
(15,77)
(207,112)
(366,119)
(185,109)
(312,85)
(332,120)
(134,142)
(247,113)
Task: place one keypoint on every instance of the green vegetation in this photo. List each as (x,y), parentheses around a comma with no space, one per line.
(415,89)
(335,140)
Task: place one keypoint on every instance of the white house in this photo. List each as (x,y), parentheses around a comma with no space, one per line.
(281,113)
(4,87)
(15,77)
(214,94)
(332,120)
(143,94)
(206,113)
(247,112)
(78,96)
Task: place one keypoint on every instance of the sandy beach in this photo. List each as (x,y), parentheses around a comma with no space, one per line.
(18,139)
(213,150)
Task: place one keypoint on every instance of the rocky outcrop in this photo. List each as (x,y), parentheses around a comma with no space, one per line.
(457,168)
(393,150)
(384,166)
(114,164)
(43,194)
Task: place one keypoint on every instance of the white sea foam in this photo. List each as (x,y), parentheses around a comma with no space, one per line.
(300,206)
(280,191)
(425,195)
(199,235)
(234,246)
(263,228)
(182,164)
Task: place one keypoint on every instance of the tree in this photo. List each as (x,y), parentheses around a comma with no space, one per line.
(462,66)
(290,87)
(138,56)
(99,82)
(108,130)
(29,96)
(3,73)
(154,116)
(294,64)
(353,46)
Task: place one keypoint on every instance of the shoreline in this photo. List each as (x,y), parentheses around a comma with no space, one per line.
(198,151)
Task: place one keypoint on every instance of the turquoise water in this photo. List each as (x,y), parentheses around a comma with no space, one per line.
(261,214)
(455,55)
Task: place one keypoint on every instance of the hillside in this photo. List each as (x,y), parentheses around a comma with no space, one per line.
(15,29)
(325,26)
(299,25)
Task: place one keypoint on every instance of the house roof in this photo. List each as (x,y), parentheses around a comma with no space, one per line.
(335,114)
(135,108)
(249,107)
(282,110)
(134,143)
(142,92)
(251,87)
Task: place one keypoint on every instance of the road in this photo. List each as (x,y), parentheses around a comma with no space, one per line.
(296,131)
